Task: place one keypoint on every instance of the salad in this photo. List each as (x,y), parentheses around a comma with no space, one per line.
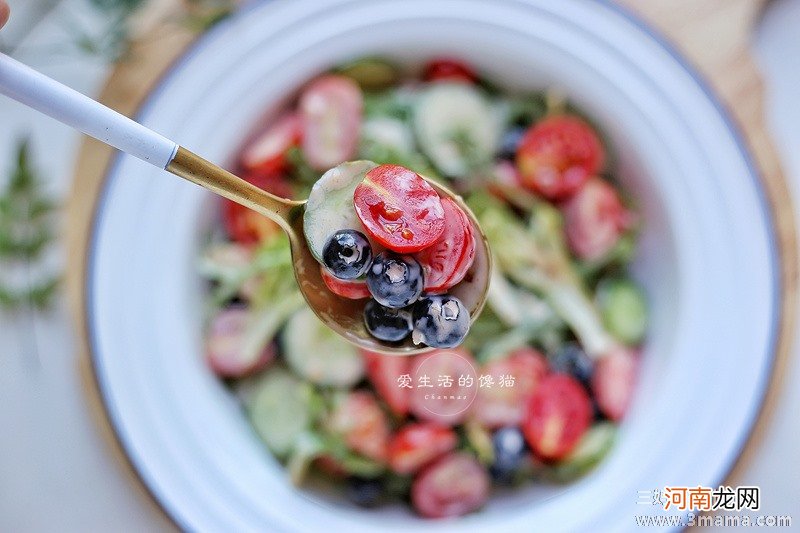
(535,392)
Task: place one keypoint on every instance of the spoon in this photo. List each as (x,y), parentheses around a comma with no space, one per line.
(342,315)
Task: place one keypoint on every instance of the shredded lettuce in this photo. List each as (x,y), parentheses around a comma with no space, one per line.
(535,257)
(264,276)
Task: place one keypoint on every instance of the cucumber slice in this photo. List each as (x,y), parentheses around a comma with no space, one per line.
(318,354)
(330,204)
(385,135)
(280,410)
(456,127)
(592,447)
(623,309)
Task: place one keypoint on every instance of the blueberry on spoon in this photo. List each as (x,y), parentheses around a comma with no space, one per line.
(347,254)
(385,323)
(440,321)
(395,280)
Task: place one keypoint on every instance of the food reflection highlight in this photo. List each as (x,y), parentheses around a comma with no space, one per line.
(535,391)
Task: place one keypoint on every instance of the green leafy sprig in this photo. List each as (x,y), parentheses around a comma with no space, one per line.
(26,232)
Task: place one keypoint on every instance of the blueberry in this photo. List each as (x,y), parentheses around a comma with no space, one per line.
(440,321)
(395,280)
(385,323)
(510,141)
(365,492)
(347,254)
(509,453)
(572,360)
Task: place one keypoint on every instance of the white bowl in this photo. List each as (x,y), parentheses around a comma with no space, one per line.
(707,258)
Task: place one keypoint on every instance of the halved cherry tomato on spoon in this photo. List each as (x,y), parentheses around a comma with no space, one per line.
(559,413)
(557,155)
(399,209)
(244,225)
(594,219)
(416,445)
(448,69)
(445,262)
(266,153)
(330,109)
(385,372)
(354,289)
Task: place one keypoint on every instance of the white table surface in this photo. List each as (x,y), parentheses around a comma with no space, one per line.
(56,470)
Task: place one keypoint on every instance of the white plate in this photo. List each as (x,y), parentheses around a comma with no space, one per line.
(708,259)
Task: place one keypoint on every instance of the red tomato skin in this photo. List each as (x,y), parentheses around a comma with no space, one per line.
(360,420)
(416,445)
(454,485)
(594,219)
(559,413)
(557,155)
(446,262)
(330,109)
(614,382)
(399,209)
(353,289)
(496,406)
(265,155)
(449,69)
(384,372)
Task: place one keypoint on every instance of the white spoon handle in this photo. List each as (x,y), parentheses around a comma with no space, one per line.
(66,105)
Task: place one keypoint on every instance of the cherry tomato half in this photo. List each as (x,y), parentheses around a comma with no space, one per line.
(445,262)
(445,385)
(557,155)
(454,485)
(330,109)
(360,421)
(416,445)
(594,219)
(266,153)
(399,209)
(385,373)
(225,345)
(354,289)
(448,69)
(498,406)
(559,413)
(613,382)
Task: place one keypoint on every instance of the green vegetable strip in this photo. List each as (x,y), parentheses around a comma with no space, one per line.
(266,323)
(535,257)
